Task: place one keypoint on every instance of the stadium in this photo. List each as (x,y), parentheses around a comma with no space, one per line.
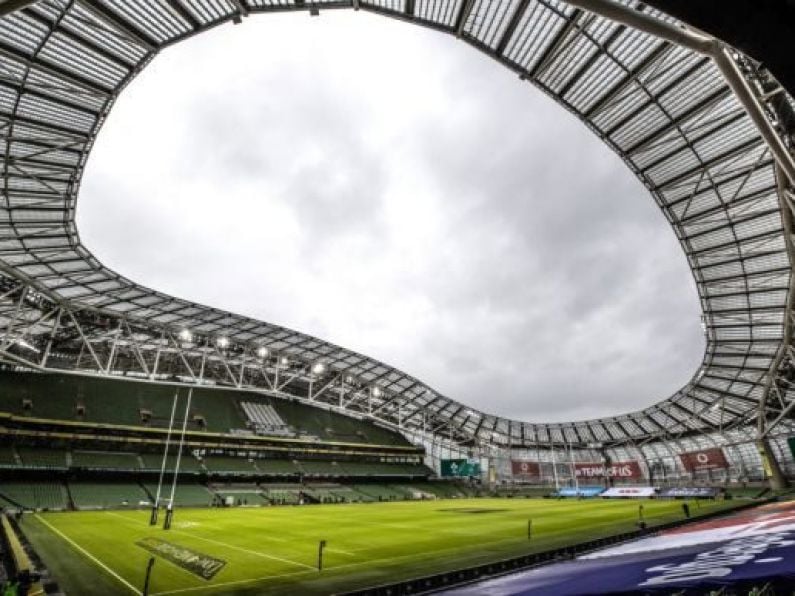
(153,445)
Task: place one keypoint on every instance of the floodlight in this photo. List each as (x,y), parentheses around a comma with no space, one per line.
(376,391)
(223,342)
(263,352)
(318,368)
(185,335)
(284,361)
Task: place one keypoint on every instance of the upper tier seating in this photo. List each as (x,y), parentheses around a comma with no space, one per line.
(34,457)
(233,465)
(112,401)
(100,460)
(382,469)
(264,419)
(154,462)
(320,468)
(276,466)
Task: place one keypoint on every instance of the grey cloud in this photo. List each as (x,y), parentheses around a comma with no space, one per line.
(417,203)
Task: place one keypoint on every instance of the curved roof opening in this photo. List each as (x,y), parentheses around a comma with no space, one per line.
(383,187)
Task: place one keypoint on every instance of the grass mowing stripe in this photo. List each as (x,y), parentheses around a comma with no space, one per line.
(232,583)
(245,550)
(401,540)
(89,555)
(224,544)
(331,568)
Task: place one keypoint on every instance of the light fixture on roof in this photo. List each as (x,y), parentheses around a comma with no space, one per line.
(263,352)
(318,368)
(376,391)
(349,379)
(223,342)
(284,361)
(185,335)
(21,342)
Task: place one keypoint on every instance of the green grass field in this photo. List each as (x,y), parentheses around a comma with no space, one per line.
(274,550)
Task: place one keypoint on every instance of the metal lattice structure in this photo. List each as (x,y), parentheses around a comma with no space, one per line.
(713,165)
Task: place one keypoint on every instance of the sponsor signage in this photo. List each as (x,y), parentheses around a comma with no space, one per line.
(753,546)
(583,491)
(625,469)
(627,492)
(204,566)
(460,467)
(706,459)
(697,492)
(525,468)
(791,443)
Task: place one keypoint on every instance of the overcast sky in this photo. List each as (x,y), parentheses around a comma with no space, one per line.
(396,192)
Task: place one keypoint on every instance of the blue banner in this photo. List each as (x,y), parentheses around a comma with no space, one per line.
(583,491)
(756,546)
(757,557)
(694,492)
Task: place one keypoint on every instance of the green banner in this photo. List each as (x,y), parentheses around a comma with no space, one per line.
(460,467)
(791,442)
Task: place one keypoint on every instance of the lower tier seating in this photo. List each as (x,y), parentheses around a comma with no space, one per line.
(186,495)
(91,495)
(34,495)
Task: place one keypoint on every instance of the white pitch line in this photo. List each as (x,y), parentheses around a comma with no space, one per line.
(331,568)
(245,550)
(226,584)
(89,555)
(225,545)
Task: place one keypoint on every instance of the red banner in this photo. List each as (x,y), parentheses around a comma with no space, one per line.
(706,459)
(626,469)
(525,468)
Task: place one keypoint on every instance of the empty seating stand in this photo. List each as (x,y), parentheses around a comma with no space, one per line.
(34,495)
(95,495)
(276,467)
(99,460)
(383,469)
(8,458)
(33,457)
(229,465)
(320,468)
(186,495)
(264,419)
(188,464)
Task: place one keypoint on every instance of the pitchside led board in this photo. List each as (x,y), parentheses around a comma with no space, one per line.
(460,467)
(791,442)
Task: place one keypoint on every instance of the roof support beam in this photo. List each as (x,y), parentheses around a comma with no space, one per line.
(461,18)
(516,17)
(708,46)
(9,6)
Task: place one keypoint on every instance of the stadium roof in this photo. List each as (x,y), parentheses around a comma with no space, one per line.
(669,111)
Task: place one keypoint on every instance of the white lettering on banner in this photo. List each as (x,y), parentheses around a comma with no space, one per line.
(617,470)
(718,562)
